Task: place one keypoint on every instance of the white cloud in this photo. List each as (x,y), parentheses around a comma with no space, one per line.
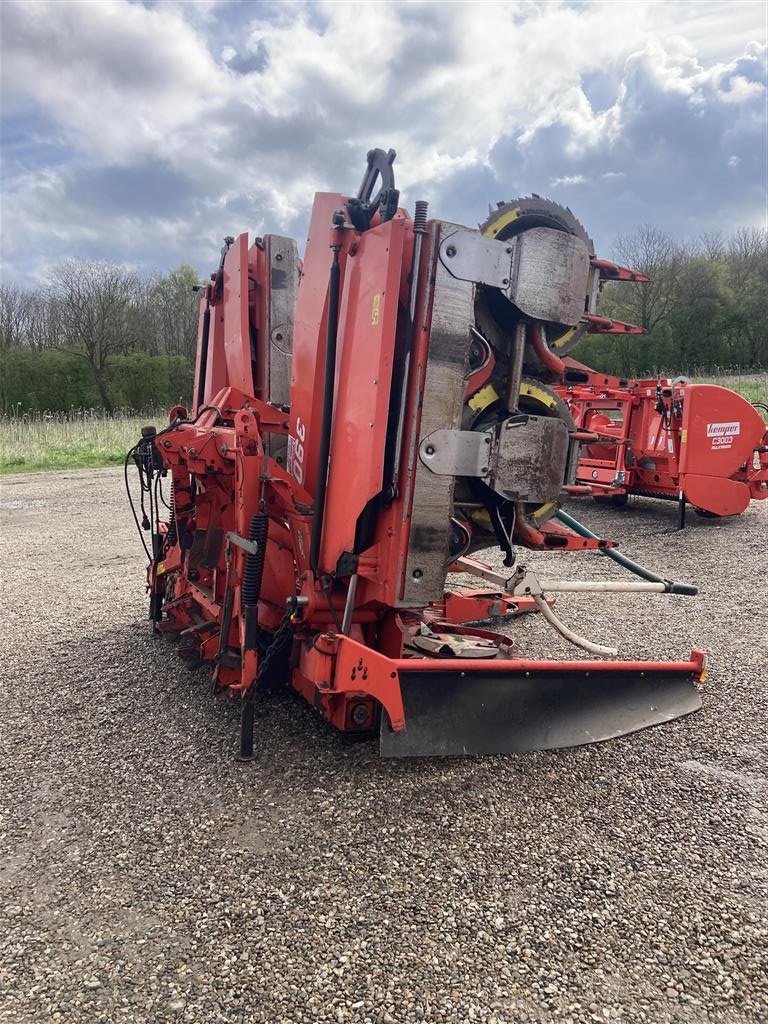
(568,179)
(310,87)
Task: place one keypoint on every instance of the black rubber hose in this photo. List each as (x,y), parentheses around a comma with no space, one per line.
(252,577)
(627,563)
(329,380)
(203,358)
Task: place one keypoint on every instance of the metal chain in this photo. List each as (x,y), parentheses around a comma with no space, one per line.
(280,643)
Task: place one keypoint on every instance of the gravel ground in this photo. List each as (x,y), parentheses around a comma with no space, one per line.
(148,876)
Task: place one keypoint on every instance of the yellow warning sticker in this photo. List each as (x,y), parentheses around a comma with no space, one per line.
(375,308)
(683,436)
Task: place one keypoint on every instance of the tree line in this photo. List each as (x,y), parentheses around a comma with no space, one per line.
(705,307)
(100,335)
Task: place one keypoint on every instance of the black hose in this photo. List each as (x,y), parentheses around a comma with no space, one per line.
(627,563)
(203,357)
(329,380)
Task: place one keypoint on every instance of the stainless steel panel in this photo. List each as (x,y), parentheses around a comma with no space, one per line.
(457,452)
(469,256)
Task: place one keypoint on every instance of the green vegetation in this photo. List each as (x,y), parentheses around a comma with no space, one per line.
(44,381)
(80,439)
(705,306)
(98,338)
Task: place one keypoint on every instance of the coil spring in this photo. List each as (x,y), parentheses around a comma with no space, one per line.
(172,532)
(254,564)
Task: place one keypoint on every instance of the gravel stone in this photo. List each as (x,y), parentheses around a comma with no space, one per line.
(148,876)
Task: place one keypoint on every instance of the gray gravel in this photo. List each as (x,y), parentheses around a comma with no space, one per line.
(147,876)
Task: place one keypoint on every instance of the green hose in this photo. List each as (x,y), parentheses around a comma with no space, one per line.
(622,560)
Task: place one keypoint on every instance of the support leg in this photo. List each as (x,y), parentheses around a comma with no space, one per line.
(681,511)
(246,728)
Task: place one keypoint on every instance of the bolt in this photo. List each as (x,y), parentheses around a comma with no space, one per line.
(429,450)
(418,574)
(505,280)
(450,251)
(279,257)
(278,336)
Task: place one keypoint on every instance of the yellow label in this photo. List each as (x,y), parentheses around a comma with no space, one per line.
(683,436)
(375,307)
(160,568)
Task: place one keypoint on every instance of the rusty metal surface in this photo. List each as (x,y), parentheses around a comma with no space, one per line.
(282,258)
(532,457)
(543,271)
(550,274)
(442,409)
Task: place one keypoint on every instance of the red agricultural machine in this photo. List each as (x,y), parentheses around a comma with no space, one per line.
(363,422)
(692,443)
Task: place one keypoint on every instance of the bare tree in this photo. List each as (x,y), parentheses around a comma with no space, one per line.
(15,304)
(94,302)
(175,307)
(655,254)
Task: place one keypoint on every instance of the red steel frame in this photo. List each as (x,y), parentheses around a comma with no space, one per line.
(668,439)
(222,477)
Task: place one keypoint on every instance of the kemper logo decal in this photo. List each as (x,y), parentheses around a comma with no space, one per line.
(722,434)
(723,429)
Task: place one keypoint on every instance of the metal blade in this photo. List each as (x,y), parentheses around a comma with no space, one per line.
(453,712)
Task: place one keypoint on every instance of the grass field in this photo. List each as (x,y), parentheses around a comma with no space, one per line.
(87,438)
(753,386)
(79,439)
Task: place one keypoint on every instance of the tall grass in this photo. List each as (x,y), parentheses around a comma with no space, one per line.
(753,385)
(84,438)
(77,439)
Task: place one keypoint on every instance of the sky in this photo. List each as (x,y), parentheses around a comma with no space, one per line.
(143,133)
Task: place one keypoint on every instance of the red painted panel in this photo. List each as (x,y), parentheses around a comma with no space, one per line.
(366,342)
(720,431)
(237,340)
(721,496)
(309,343)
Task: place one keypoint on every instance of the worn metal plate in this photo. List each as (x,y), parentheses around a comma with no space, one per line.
(457,452)
(470,256)
(550,274)
(452,713)
(532,458)
(282,261)
(543,271)
(443,397)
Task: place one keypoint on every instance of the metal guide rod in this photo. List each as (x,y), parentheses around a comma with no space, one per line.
(670,587)
(419,230)
(329,382)
(600,587)
(516,368)
(511,584)
(349,607)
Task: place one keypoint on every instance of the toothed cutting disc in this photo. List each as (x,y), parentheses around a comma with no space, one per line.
(512,218)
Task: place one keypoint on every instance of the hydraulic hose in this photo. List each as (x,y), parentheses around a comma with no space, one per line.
(626,563)
(545,354)
(203,369)
(329,380)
